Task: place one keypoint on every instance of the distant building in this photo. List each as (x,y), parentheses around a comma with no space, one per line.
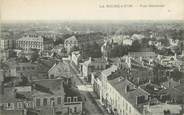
(137,36)
(122,39)
(127,42)
(106,48)
(76,57)
(5,54)
(142,54)
(22,69)
(78,41)
(7,44)
(173,42)
(92,65)
(34,42)
(70,43)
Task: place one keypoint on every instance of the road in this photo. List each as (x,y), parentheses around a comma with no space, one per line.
(90,106)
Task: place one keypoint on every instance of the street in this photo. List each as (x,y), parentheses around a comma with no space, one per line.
(90,106)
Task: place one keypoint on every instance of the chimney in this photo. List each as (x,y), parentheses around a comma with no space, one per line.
(127,88)
(179,81)
(136,100)
(149,81)
(175,56)
(90,59)
(140,58)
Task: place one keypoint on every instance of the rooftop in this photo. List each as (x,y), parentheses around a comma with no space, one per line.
(46,87)
(141,54)
(133,92)
(60,69)
(108,71)
(159,109)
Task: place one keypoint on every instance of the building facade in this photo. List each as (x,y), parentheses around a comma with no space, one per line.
(71,43)
(7,44)
(34,42)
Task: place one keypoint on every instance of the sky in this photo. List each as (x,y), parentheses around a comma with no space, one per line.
(90,10)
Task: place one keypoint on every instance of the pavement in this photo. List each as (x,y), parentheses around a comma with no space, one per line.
(92,105)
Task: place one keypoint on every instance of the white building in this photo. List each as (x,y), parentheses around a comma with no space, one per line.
(76,57)
(6,44)
(59,70)
(127,42)
(119,95)
(34,42)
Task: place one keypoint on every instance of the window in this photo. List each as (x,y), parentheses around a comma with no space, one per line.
(75,99)
(45,101)
(59,100)
(75,109)
(9,105)
(17,68)
(32,68)
(130,109)
(52,101)
(52,76)
(19,105)
(37,102)
(68,99)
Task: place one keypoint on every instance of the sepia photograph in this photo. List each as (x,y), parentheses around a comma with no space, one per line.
(91,57)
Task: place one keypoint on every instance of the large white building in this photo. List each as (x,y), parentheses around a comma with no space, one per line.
(34,42)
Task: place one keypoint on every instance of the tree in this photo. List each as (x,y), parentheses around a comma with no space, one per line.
(34,55)
(176,75)
(135,45)
(91,49)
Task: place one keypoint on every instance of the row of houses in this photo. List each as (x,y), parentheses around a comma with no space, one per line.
(42,95)
(53,94)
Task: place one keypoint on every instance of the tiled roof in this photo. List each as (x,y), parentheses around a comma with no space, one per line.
(53,86)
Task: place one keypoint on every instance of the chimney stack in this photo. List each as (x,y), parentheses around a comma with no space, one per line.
(136,100)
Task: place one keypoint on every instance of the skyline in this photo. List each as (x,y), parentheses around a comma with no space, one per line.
(69,10)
